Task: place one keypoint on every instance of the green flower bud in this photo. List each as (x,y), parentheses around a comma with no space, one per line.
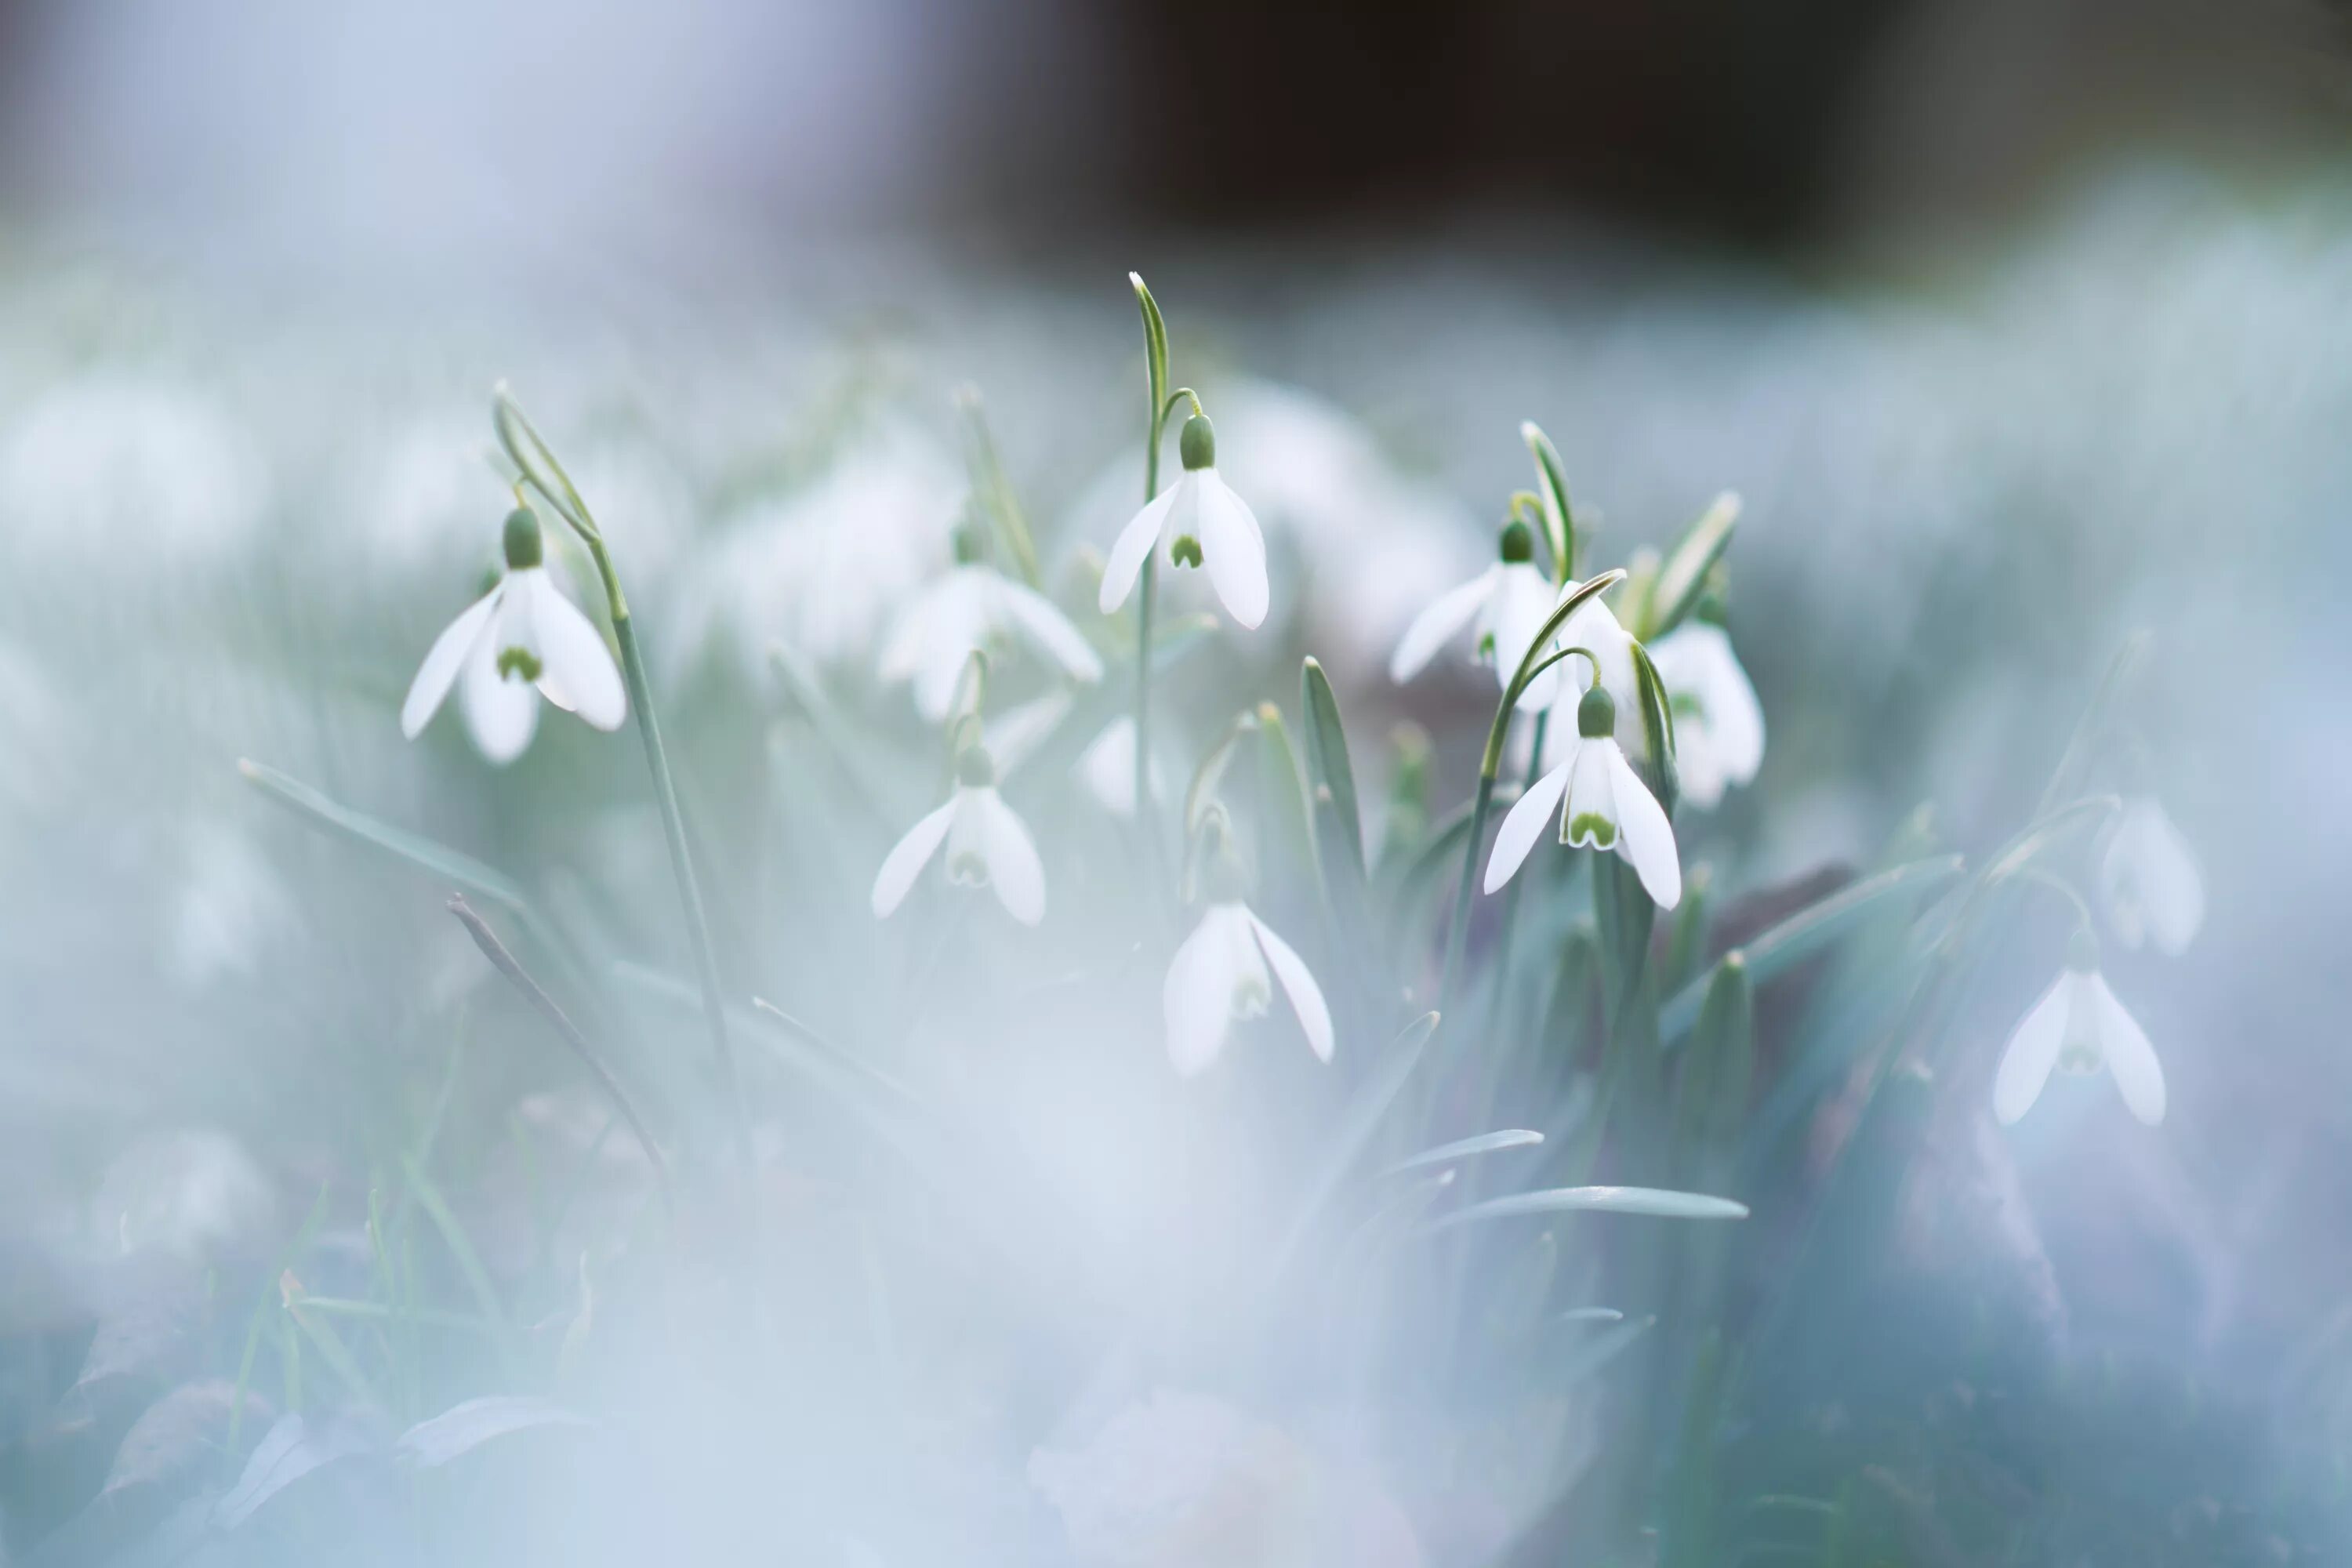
(1596,715)
(965,541)
(524,547)
(974,768)
(1518,542)
(2083,950)
(1198,444)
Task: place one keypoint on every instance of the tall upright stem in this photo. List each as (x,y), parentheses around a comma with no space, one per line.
(1458,933)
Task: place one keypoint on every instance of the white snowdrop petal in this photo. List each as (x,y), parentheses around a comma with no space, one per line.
(1523,601)
(2032,1051)
(1438,625)
(907,859)
(502,711)
(1012,856)
(1298,984)
(1232,549)
(1044,621)
(2129,1055)
(1107,766)
(1645,837)
(576,669)
(1592,796)
(2152,881)
(1524,824)
(1133,547)
(442,662)
(1197,999)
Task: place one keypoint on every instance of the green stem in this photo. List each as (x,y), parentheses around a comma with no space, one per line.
(1458,934)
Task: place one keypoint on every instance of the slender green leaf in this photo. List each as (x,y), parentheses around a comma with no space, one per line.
(1467,1148)
(446,865)
(1813,929)
(454,1237)
(1657,730)
(1339,825)
(1683,577)
(1155,341)
(1366,1107)
(1551,489)
(1657,1203)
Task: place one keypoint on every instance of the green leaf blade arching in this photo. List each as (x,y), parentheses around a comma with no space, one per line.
(1681,579)
(1654,1202)
(445,863)
(1339,825)
(1551,487)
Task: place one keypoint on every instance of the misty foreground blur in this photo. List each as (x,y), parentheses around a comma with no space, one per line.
(1176,1175)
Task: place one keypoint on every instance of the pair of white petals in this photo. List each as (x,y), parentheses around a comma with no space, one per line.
(1603,804)
(1718,723)
(2078,1026)
(971,607)
(1200,507)
(1503,609)
(521,641)
(1225,972)
(987,844)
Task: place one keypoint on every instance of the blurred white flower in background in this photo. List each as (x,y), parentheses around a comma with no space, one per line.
(824,566)
(1502,607)
(987,846)
(1218,978)
(1718,723)
(1107,767)
(1201,521)
(2149,880)
(521,641)
(972,608)
(229,905)
(1603,804)
(1184,1480)
(2077,1027)
(110,461)
(195,1195)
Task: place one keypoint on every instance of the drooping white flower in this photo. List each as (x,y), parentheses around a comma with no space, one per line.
(1603,802)
(1718,724)
(1201,522)
(2149,880)
(521,641)
(970,608)
(986,843)
(2076,1025)
(1220,976)
(1107,767)
(1503,607)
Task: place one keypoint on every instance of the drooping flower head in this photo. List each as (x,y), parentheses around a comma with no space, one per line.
(2148,879)
(1718,724)
(986,845)
(1225,972)
(521,641)
(2077,1027)
(1603,804)
(1196,521)
(965,610)
(1503,607)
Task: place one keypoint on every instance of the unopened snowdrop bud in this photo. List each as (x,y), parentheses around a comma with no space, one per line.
(521,640)
(2077,1027)
(1196,521)
(986,845)
(1503,609)
(1596,714)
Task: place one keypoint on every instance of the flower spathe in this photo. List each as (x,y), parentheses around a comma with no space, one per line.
(965,610)
(1718,724)
(521,641)
(1221,976)
(1196,521)
(2077,1025)
(2149,881)
(986,845)
(1503,607)
(1603,804)
(1595,627)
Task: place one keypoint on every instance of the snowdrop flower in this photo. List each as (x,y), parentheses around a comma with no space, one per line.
(1603,804)
(2077,1024)
(1220,975)
(1718,724)
(521,641)
(986,844)
(1503,606)
(2149,880)
(1107,767)
(1202,522)
(962,612)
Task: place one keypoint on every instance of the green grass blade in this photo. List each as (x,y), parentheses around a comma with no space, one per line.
(1655,1203)
(445,863)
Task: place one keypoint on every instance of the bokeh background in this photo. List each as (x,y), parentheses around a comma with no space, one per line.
(2021,325)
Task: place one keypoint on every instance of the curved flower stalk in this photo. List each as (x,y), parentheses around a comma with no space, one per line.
(987,846)
(966,610)
(521,641)
(2148,879)
(1603,804)
(1199,521)
(2077,1027)
(1502,607)
(1718,723)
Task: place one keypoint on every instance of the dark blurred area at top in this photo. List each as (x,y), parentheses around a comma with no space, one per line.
(1777,126)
